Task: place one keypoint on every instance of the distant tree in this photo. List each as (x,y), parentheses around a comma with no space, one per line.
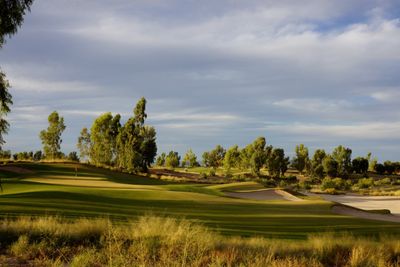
(190,159)
(5,154)
(301,158)
(342,156)
(73,156)
(172,160)
(360,165)
(140,111)
(317,169)
(84,144)
(38,155)
(330,166)
(148,147)
(136,142)
(371,162)
(215,157)
(128,145)
(380,168)
(103,138)
(161,159)
(259,155)
(51,138)
(232,158)
(389,167)
(277,163)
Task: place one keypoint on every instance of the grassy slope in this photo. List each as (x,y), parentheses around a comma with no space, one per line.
(23,194)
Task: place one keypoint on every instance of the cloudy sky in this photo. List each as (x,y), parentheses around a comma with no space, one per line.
(317,72)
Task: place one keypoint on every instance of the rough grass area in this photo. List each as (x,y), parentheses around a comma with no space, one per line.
(165,241)
(123,197)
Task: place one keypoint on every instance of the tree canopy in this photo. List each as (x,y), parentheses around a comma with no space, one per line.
(51,138)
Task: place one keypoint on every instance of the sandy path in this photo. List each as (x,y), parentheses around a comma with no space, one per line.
(365,202)
(343,210)
(265,194)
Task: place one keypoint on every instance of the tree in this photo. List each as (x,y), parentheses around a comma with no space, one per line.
(140,111)
(330,166)
(215,157)
(51,138)
(190,159)
(128,147)
(11,17)
(5,102)
(380,168)
(73,156)
(317,170)
(161,159)
(84,144)
(38,155)
(148,147)
(342,156)
(172,160)
(277,163)
(103,136)
(360,165)
(299,162)
(232,158)
(389,167)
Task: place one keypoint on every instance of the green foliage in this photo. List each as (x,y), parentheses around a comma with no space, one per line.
(38,155)
(172,160)
(84,144)
(5,154)
(277,163)
(389,167)
(215,157)
(103,134)
(5,103)
(23,155)
(190,159)
(365,183)
(160,161)
(12,15)
(317,169)
(342,156)
(330,166)
(232,158)
(336,183)
(379,168)
(73,156)
(360,165)
(299,162)
(51,138)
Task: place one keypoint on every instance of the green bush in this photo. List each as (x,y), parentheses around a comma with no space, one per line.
(336,183)
(365,183)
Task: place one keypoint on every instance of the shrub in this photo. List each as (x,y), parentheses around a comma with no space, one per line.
(365,183)
(336,183)
(203,175)
(212,172)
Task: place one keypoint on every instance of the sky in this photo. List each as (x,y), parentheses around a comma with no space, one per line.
(318,72)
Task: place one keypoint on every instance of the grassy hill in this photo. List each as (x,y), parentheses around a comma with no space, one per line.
(56,189)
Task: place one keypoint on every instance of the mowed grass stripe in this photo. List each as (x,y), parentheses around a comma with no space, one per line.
(201,203)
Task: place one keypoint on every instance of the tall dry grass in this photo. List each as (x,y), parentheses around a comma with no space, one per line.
(159,241)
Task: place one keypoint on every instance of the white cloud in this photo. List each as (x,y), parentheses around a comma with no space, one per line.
(364,131)
(392,95)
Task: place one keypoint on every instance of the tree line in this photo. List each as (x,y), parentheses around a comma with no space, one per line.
(258,155)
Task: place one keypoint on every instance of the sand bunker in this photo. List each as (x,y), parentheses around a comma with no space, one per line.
(391,203)
(16,169)
(344,210)
(265,194)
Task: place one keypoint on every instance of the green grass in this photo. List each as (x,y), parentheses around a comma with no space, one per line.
(201,203)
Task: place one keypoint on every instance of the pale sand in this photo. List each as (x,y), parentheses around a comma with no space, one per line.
(344,210)
(391,203)
(265,194)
